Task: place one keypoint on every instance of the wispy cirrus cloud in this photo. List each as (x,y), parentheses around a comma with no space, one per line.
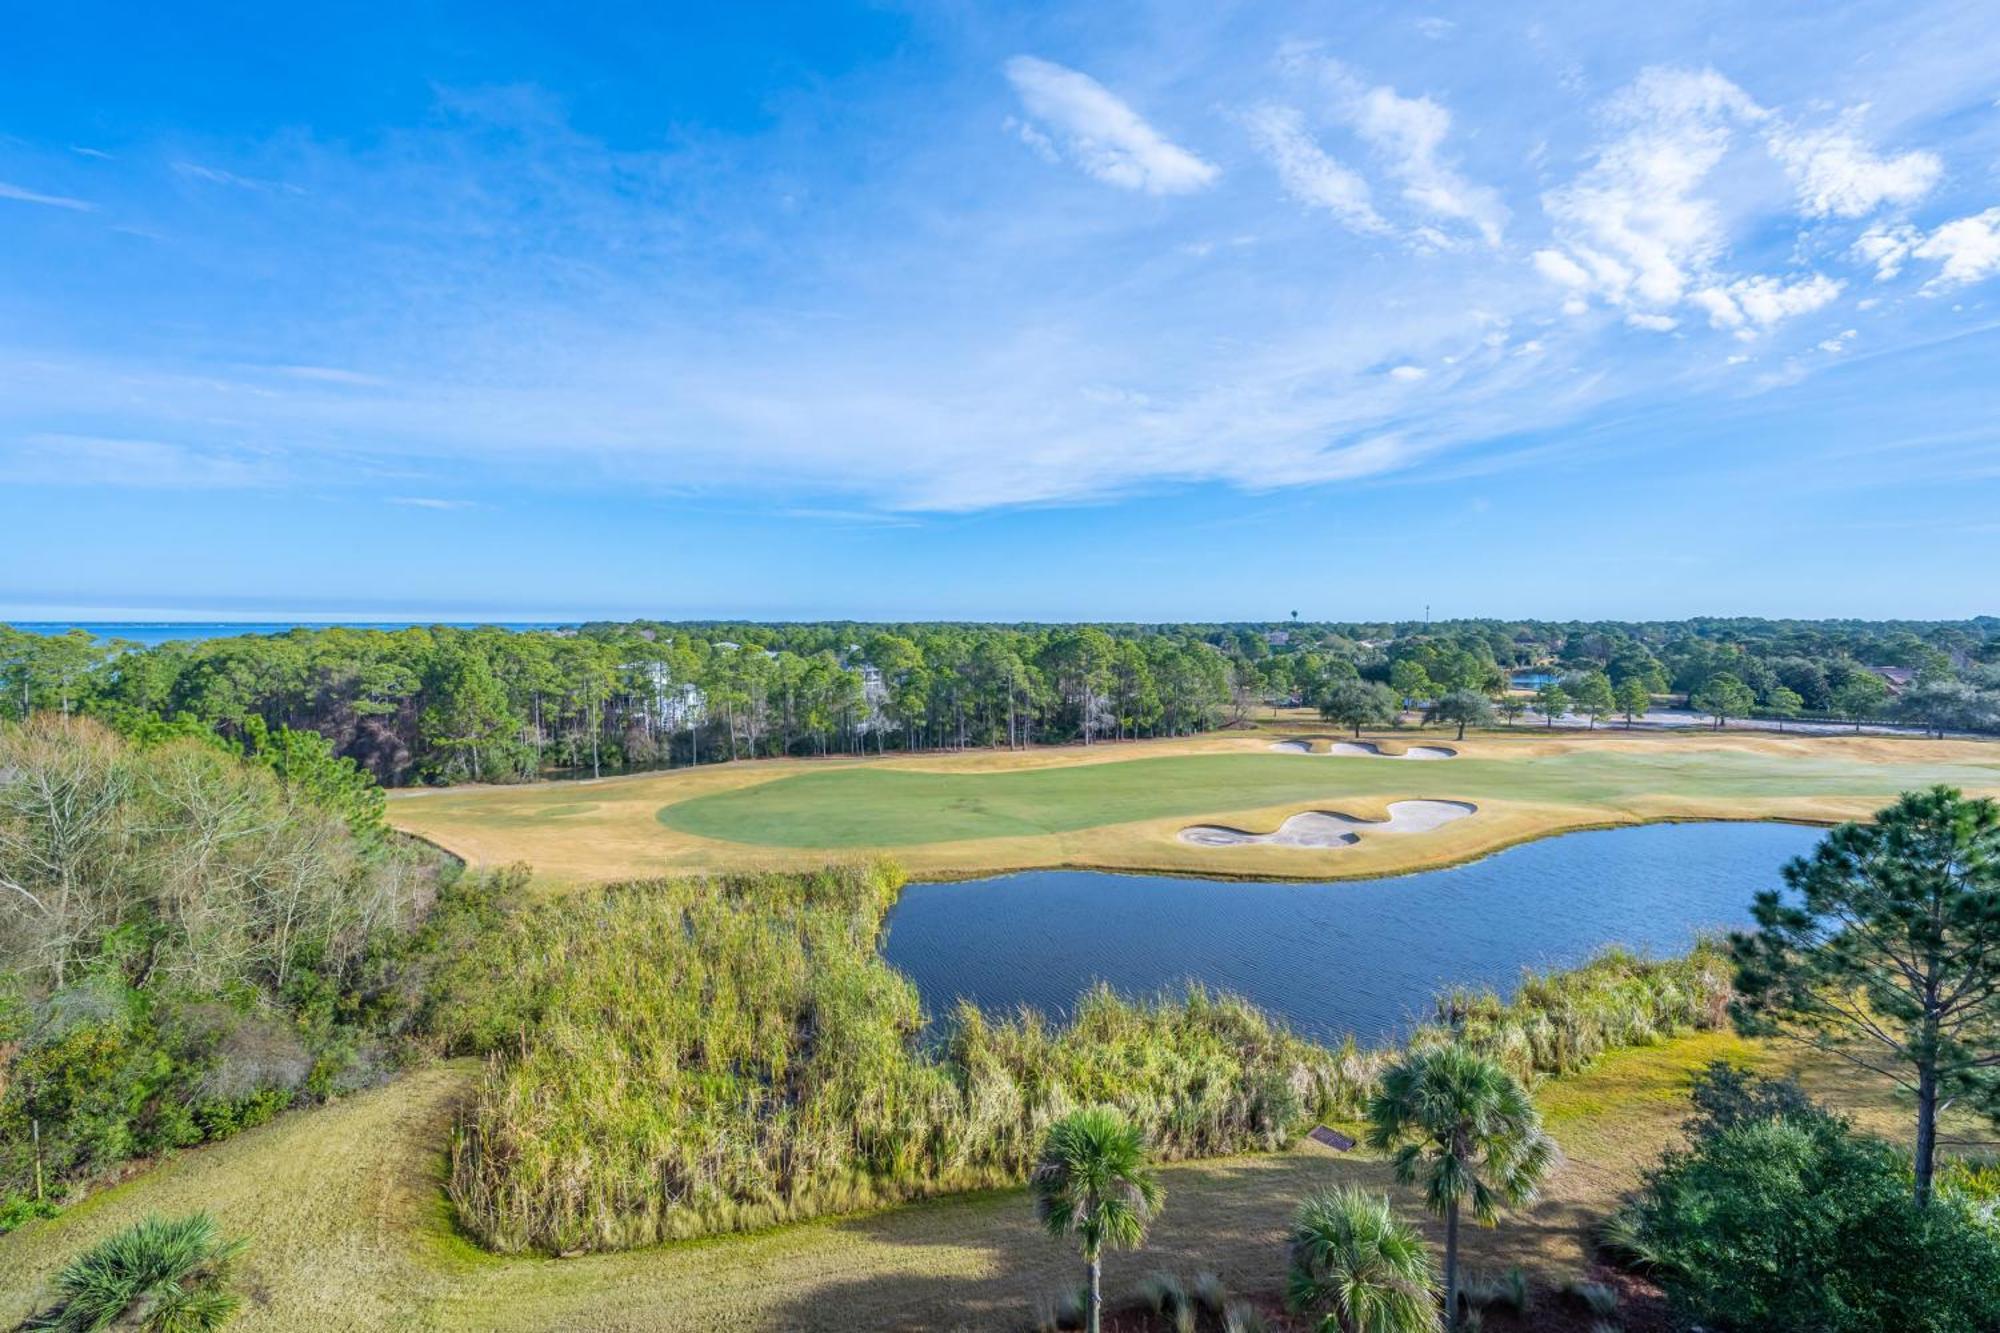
(56,459)
(331,375)
(22,195)
(432,502)
(1407,137)
(1100,132)
(1309,174)
(219,176)
(720,317)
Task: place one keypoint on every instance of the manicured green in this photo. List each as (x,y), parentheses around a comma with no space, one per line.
(884,807)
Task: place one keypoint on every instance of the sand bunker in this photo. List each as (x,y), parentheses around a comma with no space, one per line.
(1330,828)
(1368,749)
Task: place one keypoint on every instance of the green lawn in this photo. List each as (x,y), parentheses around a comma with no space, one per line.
(887,807)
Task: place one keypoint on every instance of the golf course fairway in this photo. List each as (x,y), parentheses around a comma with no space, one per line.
(1125,806)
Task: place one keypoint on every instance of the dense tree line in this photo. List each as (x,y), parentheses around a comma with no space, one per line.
(445,704)
(192,938)
(1949,672)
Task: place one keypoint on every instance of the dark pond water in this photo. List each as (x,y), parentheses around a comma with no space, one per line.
(1360,956)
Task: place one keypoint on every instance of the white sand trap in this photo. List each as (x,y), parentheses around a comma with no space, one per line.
(1330,828)
(1367,750)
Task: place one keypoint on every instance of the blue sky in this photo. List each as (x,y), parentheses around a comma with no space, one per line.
(1165,311)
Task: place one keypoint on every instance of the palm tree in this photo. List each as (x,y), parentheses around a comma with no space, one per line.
(159,1275)
(1466,1130)
(1359,1266)
(1094,1182)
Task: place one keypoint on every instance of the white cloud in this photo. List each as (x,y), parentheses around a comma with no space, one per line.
(1966,250)
(970,417)
(1837,175)
(1409,132)
(1636,219)
(1838,343)
(1886,247)
(1560,268)
(956,368)
(23,195)
(1102,134)
(1043,146)
(1406,135)
(1308,174)
(1642,232)
(1763,301)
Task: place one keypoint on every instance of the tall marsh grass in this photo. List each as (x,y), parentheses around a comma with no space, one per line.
(1561,1022)
(679,1058)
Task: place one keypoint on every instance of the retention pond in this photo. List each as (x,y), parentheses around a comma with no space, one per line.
(1360,956)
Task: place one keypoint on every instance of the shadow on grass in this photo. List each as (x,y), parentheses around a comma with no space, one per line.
(1227,1217)
(940,1266)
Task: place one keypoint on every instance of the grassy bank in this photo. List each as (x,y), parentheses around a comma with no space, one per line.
(674,1059)
(348,1229)
(680,1058)
(1123,806)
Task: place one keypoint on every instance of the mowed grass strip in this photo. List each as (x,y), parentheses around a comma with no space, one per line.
(859,807)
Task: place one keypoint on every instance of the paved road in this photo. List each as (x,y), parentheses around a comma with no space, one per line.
(1666,719)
